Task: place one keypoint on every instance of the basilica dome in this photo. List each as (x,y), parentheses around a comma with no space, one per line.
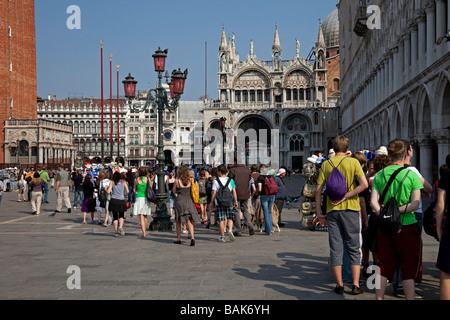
(330,27)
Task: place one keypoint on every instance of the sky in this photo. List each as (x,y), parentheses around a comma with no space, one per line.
(69,61)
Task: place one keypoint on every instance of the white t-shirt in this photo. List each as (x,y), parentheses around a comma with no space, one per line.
(223,180)
(414,169)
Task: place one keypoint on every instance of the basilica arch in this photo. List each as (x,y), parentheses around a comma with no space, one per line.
(442,110)
(296,140)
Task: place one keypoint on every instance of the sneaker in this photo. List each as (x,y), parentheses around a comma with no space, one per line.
(222,239)
(357,290)
(339,290)
(116,235)
(399,293)
(418,296)
(231,235)
(185,231)
(122,232)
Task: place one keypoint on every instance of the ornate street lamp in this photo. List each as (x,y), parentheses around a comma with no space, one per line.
(129,85)
(158,98)
(223,122)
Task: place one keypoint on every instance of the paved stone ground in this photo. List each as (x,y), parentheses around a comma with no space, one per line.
(36,252)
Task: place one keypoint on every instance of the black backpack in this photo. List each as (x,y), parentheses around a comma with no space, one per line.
(102,196)
(202,187)
(390,220)
(224,195)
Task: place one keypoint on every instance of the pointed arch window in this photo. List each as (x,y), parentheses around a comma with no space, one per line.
(297,143)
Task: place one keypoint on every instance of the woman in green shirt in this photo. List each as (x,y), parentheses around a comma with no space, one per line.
(142,207)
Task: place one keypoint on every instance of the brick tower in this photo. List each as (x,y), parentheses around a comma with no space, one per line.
(18,90)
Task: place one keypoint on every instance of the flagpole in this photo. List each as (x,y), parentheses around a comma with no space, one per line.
(118,117)
(111,106)
(101,59)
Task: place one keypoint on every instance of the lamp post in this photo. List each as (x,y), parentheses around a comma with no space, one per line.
(158,98)
(222,125)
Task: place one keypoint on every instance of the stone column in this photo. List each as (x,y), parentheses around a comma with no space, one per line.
(391,72)
(422,45)
(441,27)
(414,50)
(378,89)
(406,56)
(431,31)
(400,64)
(442,138)
(386,77)
(426,157)
(40,158)
(395,70)
(448,23)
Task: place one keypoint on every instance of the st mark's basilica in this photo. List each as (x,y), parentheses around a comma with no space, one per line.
(296,97)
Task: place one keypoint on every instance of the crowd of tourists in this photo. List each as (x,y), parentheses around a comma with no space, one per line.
(356,191)
(233,197)
(374,205)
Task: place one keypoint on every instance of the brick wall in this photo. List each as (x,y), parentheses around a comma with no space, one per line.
(333,71)
(17,63)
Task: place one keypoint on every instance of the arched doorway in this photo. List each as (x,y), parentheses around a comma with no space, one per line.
(297,133)
(446,107)
(168,157)
(257,140)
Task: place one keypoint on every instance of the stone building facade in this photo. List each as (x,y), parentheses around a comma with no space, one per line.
(85,117)
(38,142)
(296,97)
(138,131)
(396,78)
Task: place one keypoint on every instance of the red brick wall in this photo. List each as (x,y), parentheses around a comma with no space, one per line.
(20,49)
(333,71)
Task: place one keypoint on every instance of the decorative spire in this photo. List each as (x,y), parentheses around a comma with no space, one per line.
(320,37)
(230,49)
(233,46)
(276,41)
(223,40)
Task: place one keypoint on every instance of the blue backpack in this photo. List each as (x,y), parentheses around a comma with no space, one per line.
(336,186)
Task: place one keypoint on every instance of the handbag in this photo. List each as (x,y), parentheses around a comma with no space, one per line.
(194,192)
(199,210)
(150,193)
